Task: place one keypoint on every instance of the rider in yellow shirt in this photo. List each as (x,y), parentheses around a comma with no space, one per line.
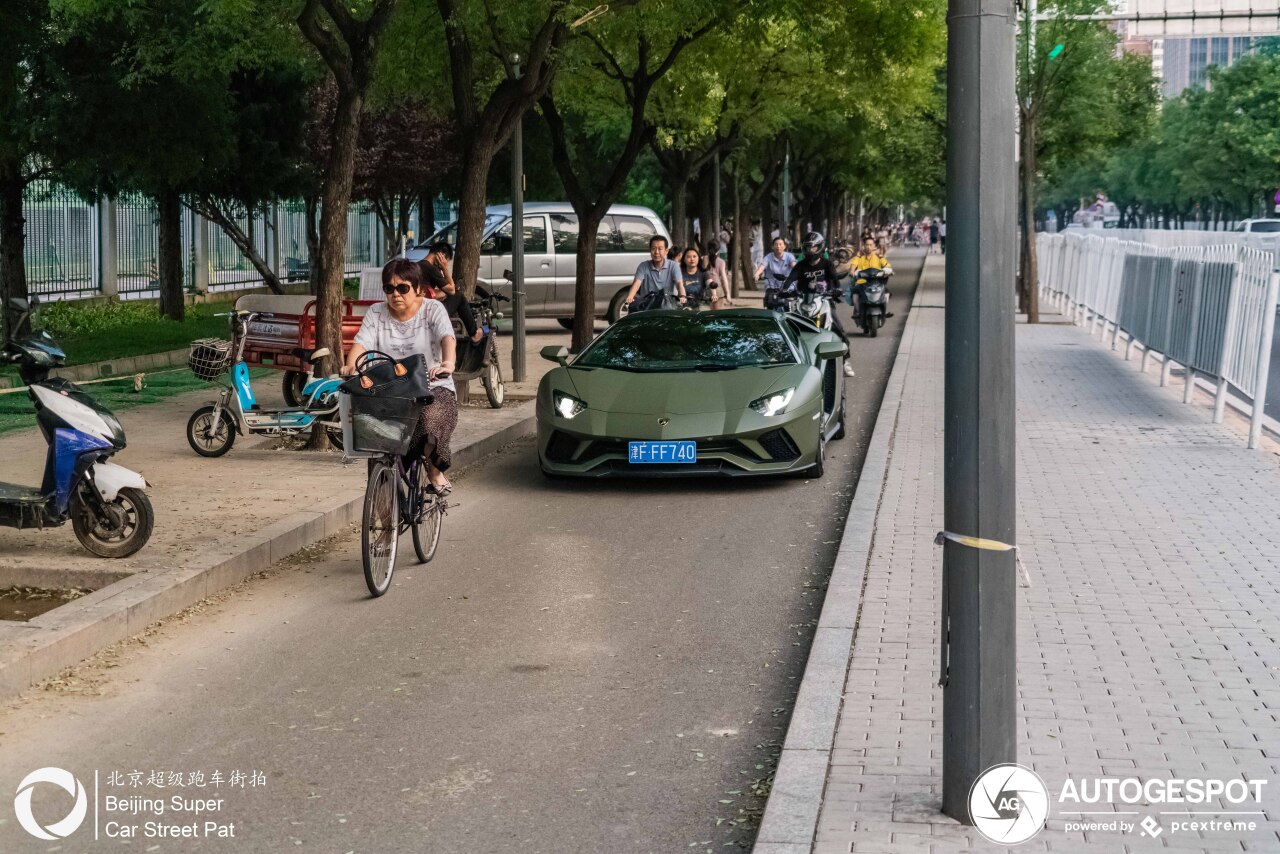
(870,259)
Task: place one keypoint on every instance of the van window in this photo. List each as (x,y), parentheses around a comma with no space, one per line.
(564,233)
(535,238)
(635,232)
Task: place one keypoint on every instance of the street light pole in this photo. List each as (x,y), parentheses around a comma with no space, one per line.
(517,241)
(979,715)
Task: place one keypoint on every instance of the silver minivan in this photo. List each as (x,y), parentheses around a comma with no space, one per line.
(550,248)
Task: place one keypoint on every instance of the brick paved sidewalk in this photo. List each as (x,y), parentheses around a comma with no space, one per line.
(1149,643)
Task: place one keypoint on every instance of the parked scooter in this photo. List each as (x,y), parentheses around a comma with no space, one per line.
(875,302)
(212,429)
(105,502)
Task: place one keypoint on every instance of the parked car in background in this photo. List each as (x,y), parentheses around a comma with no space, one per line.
(550,250)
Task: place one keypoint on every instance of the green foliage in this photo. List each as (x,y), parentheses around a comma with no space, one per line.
(1217,148)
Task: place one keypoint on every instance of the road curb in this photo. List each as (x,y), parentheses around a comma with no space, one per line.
(46,645)
(791,814)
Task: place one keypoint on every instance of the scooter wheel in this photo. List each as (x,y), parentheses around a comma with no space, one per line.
(208,439)
(117,530)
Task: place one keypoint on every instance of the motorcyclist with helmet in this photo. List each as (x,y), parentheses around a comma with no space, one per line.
(815,273)
(870,259)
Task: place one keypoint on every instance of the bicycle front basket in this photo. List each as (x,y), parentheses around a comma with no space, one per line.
(383,425)
(210,358)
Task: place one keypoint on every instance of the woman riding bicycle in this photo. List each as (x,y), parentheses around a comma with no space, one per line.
(406,324)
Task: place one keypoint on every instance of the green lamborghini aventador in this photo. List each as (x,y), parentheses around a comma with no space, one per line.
(668,393)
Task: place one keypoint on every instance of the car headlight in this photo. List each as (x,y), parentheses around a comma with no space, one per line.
(566,404)
(774,403)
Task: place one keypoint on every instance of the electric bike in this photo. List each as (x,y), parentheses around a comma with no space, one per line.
(105,503)
(212,429)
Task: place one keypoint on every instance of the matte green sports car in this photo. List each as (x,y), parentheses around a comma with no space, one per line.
(668,393)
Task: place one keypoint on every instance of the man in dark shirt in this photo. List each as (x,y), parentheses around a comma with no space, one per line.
(816,274)
(453,299)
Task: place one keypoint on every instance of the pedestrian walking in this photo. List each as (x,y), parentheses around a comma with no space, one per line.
(933,236)
(719,273)
(942,236)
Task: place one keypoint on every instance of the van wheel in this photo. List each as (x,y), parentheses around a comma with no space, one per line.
(565,323)
(615,305)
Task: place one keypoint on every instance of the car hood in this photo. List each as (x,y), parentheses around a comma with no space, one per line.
(677,393)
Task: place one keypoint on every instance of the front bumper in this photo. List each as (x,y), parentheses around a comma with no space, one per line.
(594,444)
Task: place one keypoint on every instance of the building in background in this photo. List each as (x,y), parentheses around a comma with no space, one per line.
(1182,48)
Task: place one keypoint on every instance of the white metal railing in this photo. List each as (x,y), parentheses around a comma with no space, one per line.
(1209,305)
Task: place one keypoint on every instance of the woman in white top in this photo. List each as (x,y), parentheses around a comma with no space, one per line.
(406,324)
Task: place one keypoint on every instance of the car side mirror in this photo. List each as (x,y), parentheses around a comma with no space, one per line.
(557,354)
(832,350)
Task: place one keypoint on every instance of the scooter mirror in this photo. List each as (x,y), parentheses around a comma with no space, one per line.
(19,304)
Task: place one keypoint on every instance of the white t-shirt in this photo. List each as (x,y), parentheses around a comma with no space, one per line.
(423,333)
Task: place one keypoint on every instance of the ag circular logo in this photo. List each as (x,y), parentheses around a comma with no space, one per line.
(1008,804)
(64,780)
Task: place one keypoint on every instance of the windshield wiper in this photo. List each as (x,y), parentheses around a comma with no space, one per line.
(715,367)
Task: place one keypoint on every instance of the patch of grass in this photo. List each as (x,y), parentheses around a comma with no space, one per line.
(16,412)
(95,335)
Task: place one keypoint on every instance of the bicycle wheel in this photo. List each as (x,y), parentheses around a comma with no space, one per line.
(426,531)
(380,532)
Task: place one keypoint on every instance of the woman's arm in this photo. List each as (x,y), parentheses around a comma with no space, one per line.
(448,358)
(356,351)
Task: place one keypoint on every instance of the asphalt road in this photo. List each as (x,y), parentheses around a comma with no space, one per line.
(584,667)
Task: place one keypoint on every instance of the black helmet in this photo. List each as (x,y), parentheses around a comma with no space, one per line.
(814,243)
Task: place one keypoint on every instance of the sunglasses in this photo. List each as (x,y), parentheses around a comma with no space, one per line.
(399,289)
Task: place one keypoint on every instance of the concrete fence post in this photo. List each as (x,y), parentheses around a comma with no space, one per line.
(107,275)
(200,231)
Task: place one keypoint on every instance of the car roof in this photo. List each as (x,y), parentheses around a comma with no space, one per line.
(566,208)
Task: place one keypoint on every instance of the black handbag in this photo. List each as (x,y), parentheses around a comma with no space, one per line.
(648,302)
(379,375)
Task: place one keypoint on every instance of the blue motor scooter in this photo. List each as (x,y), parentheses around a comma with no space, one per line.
(212,429)
(105,503)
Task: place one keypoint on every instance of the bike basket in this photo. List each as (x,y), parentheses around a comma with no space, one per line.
(210,358)
(378,425)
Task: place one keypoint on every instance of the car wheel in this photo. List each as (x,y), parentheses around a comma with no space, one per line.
(819,466)
(615,305)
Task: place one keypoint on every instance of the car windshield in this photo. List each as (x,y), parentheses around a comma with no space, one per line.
(449,234)
(689,342)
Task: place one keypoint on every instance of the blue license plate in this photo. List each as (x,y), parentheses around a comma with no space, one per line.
(662,452)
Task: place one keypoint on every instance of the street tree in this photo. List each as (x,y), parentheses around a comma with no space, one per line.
(599,125)
(348,45)
(24,96)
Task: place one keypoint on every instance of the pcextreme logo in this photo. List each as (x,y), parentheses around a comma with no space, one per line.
(64,780)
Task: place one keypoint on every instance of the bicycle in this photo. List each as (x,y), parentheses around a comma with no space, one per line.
(397,490)
(398,493)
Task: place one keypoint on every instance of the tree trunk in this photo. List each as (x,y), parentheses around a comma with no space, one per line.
(1029,291)
(312,214)
(169,214)
(471,204)
(13,271)
(243,241)
(744,270)
(584,292)
(680,212)
(335,198)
